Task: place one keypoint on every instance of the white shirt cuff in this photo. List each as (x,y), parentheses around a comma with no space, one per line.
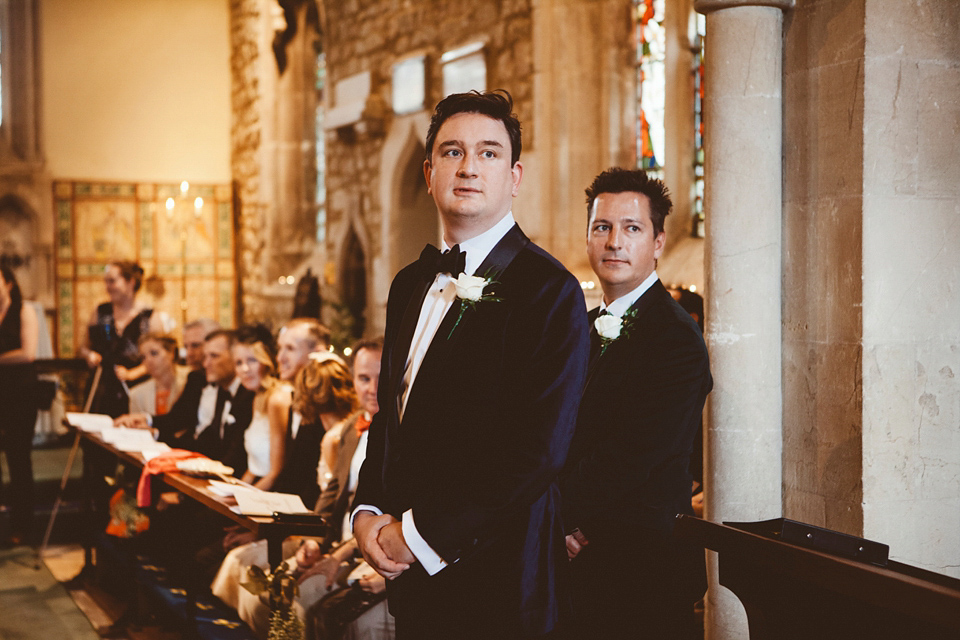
(363,507)
(429,559)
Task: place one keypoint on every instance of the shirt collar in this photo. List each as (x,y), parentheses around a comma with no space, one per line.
(234,386)
(620,306)
(479,247)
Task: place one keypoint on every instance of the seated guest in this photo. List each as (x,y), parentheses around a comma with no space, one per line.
(157,395)
(211,413)
(194,334)
(265,438)
(318,563)
(323,397)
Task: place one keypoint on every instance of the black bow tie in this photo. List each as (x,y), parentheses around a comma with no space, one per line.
(433,262)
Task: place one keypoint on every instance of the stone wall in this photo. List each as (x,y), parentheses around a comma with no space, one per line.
(911,267)
(245,134)
(871,262)
(823,209)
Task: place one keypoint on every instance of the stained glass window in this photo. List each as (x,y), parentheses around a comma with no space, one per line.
(698,219)
(321,150)
(651,41)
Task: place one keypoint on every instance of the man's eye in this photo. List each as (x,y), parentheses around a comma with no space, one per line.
(634,228)
(452,153)
(488,154)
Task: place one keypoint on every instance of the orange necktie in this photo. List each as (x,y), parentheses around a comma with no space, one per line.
(362,424)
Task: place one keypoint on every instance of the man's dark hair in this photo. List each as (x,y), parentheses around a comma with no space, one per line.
(618,180)
(496,104)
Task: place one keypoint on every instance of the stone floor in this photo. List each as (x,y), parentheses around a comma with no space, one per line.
(51,599)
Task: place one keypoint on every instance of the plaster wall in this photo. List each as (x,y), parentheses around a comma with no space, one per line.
(911,270)
(136,91)
(822,209)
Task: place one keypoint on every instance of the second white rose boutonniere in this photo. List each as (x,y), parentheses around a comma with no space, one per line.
(470,292)
(610,328)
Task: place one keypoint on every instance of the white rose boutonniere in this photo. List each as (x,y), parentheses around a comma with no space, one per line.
(470,287)
(470,291)
(610,328)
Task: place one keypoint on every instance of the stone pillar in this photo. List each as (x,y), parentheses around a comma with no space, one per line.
(743,205)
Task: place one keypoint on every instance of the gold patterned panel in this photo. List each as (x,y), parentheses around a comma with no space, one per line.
(186,251)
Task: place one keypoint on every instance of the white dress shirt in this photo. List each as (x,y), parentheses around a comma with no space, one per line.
(622,304)
(208,406)
(440,297)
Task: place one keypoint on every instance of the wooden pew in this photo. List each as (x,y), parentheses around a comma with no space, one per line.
(790,592)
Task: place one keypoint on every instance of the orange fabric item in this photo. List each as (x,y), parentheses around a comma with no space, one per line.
(362,424)
(163,398)
(163,463)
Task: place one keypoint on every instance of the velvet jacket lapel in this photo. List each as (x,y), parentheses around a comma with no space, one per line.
(441,347)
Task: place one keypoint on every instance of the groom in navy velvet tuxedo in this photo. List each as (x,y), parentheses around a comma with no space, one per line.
(484,359)
(627,474)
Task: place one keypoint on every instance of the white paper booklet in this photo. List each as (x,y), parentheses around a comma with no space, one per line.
(264,503)
(95,422)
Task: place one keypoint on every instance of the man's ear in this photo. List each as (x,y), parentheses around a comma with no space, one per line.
(658,244)
(427,172)
(517,171)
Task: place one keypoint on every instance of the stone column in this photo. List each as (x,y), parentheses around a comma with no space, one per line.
(743,205)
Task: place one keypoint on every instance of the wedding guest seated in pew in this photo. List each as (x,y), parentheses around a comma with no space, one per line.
(157,394)
(318,570)
(194,334)
(323,397)
(265,438)
(211,414)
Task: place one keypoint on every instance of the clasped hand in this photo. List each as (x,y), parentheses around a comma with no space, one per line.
(381,542)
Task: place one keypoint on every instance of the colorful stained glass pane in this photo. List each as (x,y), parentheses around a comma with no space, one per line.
(651,41)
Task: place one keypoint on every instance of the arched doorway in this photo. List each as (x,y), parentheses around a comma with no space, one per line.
(415,222)
(353,282)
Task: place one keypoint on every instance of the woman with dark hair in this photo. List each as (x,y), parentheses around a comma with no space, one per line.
(18,398)
(113,334)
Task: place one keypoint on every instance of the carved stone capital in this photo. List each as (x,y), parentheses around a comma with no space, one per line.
(709,6)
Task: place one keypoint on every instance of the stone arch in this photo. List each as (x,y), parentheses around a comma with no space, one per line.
(411,215)
(353,280)
(401,162)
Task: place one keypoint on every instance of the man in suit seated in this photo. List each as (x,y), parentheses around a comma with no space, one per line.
(211,413)
(626,476)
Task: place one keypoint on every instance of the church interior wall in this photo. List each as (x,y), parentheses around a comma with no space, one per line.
(871,230)
(136,91)
(911,267)
(822,256)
